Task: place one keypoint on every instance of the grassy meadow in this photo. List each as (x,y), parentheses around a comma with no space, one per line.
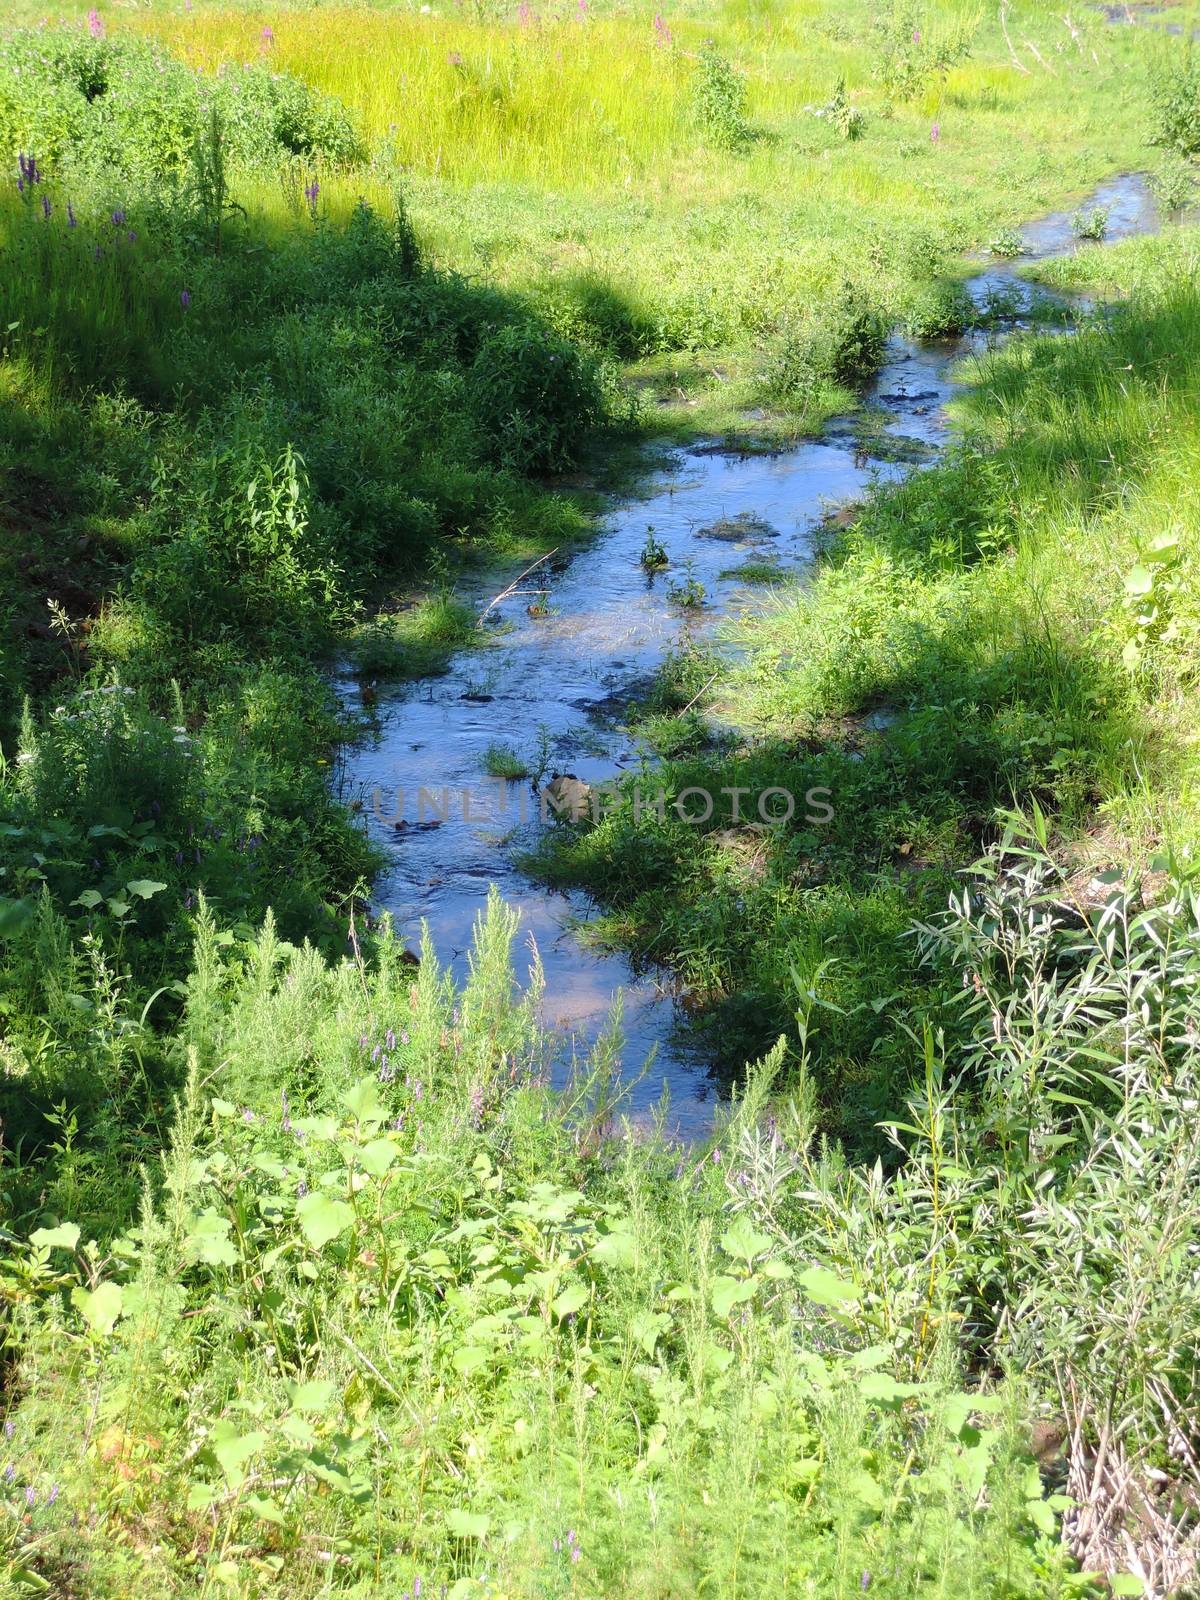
(309,1283)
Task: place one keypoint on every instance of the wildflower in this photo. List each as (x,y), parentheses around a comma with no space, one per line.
(118,219)
(28,171)
(72,222)
(403,1036)
(935,133)
(268,36)
(390,1039)
(525,14)
(46,208)
(455,58)
(311,191)
(53,1495)
(916,35)
(581,9)
(9,1430)
(716,1156)
(97,252)
(30,1496)
(661,28)
(185,299)
(302,1189)
(95,26)
(10,1473)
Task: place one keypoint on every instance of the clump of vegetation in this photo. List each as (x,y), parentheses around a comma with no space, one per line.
(689,593)
(1091,225)
(126,107)
(654,553)
(840,345)
(848,120)
(1173,183)
(1175,101)
(501,761)
(911,52)
(719,99)
(1006,244)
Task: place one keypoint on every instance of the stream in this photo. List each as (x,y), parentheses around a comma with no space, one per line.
(545,683)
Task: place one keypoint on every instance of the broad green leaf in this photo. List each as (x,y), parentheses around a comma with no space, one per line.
(744,1242)
(467,1524)
(730,1292)
(322,1218)
(1125,1583)
(363,1102)
(145,888)
(378,1156)
(1139,581)
(208,1240)
(825,1288)
(119,908)
(614,1250)
(89,899)
(470,1357)
(573,1297)
(100,1307)
(231,1449)
(64,1237)
(313,1396)
(264,1509)
(879,1386)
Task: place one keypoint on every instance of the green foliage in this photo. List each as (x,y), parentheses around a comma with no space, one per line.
(1175,101)
(385,1224)
(1091,225)
(911,53)
(719,100)
(840,344)
(126,107)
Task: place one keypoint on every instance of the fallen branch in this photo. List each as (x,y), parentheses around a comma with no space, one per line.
(507,594)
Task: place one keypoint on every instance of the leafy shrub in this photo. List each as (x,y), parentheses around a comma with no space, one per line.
(847,120)
(941,310)
(719,100)
(241,556)
(128,107)
(1175,102)
(908,54)
(1173,183)
(534,397)
(1091,225)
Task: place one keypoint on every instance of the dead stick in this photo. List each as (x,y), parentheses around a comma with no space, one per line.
(507,593)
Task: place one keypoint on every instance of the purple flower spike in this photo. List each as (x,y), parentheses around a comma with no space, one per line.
(935,133)
(185,299)
(95,26)
(72,221)
(46,207)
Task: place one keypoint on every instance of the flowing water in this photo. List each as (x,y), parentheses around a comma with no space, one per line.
(545,683)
